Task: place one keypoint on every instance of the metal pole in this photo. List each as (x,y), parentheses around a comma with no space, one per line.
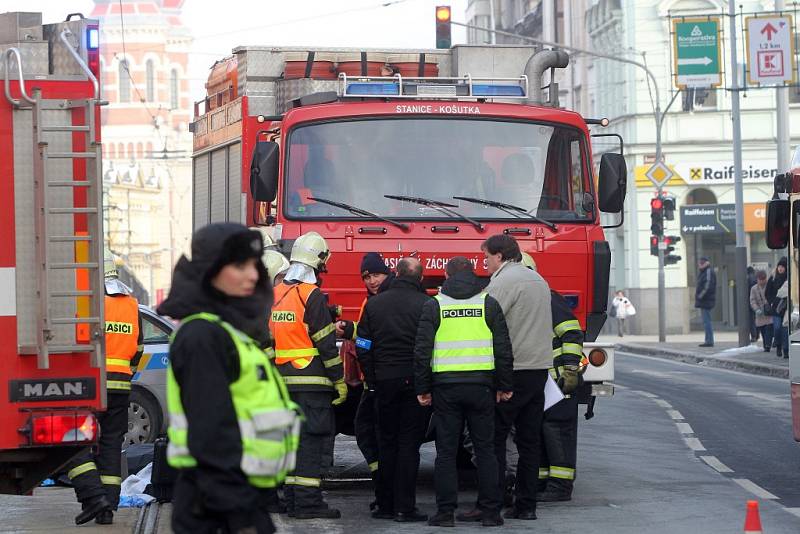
(492,35)
(743,299)
(782,114)
(659,119)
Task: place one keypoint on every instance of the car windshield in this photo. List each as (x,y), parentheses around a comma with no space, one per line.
(539,167)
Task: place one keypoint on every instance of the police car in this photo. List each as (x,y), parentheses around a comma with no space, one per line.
(147,411)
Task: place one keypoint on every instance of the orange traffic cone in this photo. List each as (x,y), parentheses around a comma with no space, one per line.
(752,521)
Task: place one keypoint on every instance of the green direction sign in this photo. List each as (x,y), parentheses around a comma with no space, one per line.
(696,52)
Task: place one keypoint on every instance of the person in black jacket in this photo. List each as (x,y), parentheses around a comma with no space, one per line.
(751,281)
(774,283)
(385,346)
(215,496)
(464,366)
(705,298)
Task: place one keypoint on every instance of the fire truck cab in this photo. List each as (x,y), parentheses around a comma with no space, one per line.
(411,152)
(52,365)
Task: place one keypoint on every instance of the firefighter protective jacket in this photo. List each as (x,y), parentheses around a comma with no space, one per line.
(305,338)
(124,346)
(567,335)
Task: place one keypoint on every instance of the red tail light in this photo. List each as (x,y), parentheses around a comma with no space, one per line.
(597,357)
(73,427)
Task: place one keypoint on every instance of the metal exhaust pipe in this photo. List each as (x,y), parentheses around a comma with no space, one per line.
(536,67)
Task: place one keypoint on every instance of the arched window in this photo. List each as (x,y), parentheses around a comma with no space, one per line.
(173,89)
(139,150)
(151,82)
(124,82)
(149,150)
(121,151)
(131,153)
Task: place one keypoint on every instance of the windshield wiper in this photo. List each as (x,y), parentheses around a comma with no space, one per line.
(442,207)
(511,209)
(359,211)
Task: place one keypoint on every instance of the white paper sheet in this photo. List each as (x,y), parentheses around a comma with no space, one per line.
(552,393)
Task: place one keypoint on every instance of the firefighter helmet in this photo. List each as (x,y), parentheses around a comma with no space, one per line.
(528,262)
(276,264)
(312,250)
(109,264)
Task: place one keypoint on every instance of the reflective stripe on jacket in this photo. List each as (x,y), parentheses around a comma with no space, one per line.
(269,424)
(463,340)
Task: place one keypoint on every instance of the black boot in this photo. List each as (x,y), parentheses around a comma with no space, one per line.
(556,490)
(92,509)
(106,517)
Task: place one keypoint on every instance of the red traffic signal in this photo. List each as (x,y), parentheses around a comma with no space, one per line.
(656,203)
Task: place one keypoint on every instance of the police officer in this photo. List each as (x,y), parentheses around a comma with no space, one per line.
(97,476)
(377,278)
(306,355)
(463,366)
(559,447)
(233,429)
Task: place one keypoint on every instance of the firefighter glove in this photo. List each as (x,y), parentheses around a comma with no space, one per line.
(341,391)
(569,379)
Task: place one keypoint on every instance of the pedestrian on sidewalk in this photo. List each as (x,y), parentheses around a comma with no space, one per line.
(705,298)
(385,344)
(621,309)
(771,292)
(761,307)
(751,281)
(782,308)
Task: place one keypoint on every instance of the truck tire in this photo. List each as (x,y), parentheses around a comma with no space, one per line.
(144,418)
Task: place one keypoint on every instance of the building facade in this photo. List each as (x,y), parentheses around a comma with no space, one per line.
(697,141)
(146,142)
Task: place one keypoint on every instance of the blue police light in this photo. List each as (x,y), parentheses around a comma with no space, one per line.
(372,88)
(497,90)
(93,38)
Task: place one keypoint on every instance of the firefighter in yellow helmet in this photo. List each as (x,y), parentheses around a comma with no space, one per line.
(96,475)
(307,357)
(560,426)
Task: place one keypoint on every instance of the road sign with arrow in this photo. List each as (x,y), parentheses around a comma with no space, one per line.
(770,50)
(696,52)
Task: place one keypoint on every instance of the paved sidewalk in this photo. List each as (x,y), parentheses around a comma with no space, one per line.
(725,353)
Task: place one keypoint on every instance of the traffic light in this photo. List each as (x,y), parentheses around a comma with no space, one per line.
(654,245)
(669,207)
(669,257)
(657,216)
(443,27)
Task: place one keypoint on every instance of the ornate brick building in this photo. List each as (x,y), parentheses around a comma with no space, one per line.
(146,142)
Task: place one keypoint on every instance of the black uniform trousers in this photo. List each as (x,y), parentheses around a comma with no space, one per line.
(190,517)
(525,412)
(97,471)
(559,448)
(402,424)
(302,487)
(452,405)
(366,428)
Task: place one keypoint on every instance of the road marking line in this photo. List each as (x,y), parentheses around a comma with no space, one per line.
(764,396)
(793,511)
(755,489)
(646,394)
(685,428)
(675,414)
(620,387)
(662,403)
(694,444)
(714,462)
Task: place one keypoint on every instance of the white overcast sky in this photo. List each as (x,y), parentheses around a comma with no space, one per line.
(351,23)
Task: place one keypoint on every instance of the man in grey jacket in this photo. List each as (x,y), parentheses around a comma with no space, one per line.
(524,297)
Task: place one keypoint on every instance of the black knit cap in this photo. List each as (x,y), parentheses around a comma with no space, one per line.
(219,244)
(372,263)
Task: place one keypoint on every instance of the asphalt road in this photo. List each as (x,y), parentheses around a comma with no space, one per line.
(741,420)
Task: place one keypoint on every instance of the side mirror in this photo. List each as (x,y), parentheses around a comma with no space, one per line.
(777,228)
(612,183)
(264,171)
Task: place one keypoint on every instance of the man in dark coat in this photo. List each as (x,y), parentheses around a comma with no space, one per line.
(385,345)
(705,298)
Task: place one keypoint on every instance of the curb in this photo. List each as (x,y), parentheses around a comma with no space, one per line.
(743,366)
(147,522)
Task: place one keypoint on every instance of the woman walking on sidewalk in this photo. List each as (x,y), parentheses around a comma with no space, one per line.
(621,309)
(774,283)
(760,305)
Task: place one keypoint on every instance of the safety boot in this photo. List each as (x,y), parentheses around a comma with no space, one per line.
(92,509)
(106,517)
(318,512)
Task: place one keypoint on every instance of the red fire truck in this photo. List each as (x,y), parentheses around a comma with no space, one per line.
(52,376)
(424,152)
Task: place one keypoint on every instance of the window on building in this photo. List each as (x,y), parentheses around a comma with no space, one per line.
(173,89)
(151,82)
(124,82)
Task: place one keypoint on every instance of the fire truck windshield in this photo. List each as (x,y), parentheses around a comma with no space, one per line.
(540,167)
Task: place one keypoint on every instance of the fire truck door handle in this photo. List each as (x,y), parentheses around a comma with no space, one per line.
(372,230)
